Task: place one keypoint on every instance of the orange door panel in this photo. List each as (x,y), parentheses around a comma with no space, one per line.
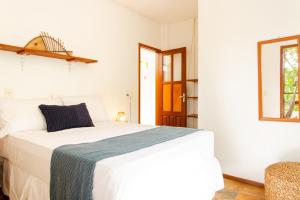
(171,88)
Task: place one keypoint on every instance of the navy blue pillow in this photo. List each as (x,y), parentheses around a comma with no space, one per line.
(65,117)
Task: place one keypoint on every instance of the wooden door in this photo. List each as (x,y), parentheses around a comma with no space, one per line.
(171,88)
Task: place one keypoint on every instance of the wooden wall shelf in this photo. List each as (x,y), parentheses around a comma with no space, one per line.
(26,51)
(193,115)
(192,98)
(192,80)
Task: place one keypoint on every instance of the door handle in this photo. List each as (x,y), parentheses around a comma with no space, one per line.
(183,97)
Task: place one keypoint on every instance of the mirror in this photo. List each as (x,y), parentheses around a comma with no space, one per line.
(278,74)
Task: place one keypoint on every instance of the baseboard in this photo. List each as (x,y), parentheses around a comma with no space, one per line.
(254,183)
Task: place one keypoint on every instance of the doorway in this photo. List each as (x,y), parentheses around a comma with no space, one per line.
(162,86)
(147,80)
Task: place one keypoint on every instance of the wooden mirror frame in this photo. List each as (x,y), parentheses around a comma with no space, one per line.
(260,96)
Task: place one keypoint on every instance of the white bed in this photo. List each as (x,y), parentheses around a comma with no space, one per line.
(181,169)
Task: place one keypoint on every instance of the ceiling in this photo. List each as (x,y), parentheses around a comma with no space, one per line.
(163,11)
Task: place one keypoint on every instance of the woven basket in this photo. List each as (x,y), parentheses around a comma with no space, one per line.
(282,181)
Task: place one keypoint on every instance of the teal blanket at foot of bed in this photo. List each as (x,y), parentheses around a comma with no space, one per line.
(72,166)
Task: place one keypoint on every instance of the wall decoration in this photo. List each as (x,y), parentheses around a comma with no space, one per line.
(46,46)
(45,42)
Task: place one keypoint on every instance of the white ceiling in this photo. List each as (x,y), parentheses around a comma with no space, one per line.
(163,11)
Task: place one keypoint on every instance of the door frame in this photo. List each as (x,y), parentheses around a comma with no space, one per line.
(158,78)
(158,52)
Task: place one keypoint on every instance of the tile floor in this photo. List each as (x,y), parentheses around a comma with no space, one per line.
(235,190)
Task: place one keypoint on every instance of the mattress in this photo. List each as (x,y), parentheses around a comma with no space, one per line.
(184,168)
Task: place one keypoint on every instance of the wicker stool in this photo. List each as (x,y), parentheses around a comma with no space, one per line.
(282,181)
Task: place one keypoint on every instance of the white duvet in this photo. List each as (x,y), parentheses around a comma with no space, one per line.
(181,169)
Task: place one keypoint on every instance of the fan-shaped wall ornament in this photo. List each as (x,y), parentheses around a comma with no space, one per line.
(45,42)
(46,46)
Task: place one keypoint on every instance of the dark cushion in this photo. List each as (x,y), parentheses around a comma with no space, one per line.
(65,117)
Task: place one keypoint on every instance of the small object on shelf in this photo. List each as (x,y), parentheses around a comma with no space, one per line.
(193,115)
(46,46)
(121,117)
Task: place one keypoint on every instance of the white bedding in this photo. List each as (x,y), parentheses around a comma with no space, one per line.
(181,169)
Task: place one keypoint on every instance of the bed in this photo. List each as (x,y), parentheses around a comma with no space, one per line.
(183,168)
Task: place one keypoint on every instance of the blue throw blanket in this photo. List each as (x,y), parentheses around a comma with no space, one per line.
(72,166)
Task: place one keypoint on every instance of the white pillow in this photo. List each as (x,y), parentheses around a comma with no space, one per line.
(93,103)
(23,114)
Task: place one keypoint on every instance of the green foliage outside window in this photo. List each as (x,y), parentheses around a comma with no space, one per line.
(290,77)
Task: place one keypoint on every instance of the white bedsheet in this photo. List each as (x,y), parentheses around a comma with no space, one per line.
(181,169)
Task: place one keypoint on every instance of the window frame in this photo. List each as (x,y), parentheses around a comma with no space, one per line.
(282,80)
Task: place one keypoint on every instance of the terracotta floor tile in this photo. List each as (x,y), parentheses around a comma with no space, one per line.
(235,190)
(226,195)
(249,189)
(233,185)
(242,196)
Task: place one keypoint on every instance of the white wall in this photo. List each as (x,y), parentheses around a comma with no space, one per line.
(178,35)
(228,103)
(184,34)
(96,29)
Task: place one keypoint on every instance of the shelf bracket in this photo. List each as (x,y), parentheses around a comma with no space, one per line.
(21,52)
(70,59)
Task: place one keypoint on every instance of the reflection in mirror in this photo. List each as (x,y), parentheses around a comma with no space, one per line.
(289,75)
(278,80)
